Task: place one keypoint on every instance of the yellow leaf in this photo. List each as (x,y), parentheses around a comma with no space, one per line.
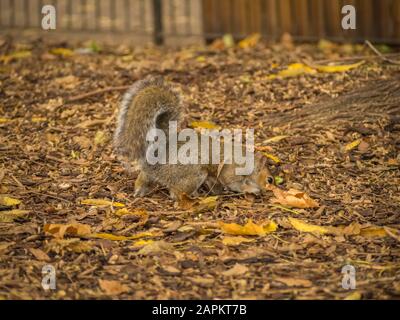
(371,232)
(352,145)
(272,157)
(204,125)
(101,202)
(142,243)
(250,41)
(306,227)
(62,52)
(354,296)
(292,198)
(74,229)
(9,202)
(234,241)
(38,119)
(293,70)
(228,41)
(201,59)
(338,68)
(4,120)
(15,56)
(249,229)
(12,215)
(114,237)
(100,138)
(275,139)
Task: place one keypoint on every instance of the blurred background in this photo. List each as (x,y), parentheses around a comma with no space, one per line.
(196,21)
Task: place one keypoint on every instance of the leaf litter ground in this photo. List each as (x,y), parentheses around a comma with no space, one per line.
(77,211)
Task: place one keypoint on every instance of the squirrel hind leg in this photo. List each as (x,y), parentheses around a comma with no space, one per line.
(187,186)
(143,185)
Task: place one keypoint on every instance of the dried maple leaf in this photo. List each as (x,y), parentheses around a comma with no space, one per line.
(292,198)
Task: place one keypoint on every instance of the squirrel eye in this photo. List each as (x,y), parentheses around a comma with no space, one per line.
(270,180)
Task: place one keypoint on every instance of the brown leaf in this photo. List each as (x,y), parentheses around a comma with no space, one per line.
(295,282)
(74,229)
(112,287)
(236,270)
(39,254)
(292,198)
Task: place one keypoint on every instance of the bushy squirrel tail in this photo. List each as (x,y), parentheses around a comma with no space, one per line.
(148,104)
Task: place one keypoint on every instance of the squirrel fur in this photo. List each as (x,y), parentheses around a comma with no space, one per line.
(149,104)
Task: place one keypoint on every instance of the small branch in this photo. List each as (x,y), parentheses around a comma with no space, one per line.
(96,92)
(380,55)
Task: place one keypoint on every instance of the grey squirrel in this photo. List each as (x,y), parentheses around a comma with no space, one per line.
(150,104)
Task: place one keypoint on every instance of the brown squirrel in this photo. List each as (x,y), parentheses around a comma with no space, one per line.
(152,104)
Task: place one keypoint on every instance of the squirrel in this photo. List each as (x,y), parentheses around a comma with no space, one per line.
(151,104)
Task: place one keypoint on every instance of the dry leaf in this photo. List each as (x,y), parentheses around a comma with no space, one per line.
(62,52)
(293,70)
(292,198)
(8,201)
(354,296)
(250,41)
(12,215)
(73,229)
(272,157)
(294,282)
(114,237)
(337,68)
(236,270)
(101,203)
(352,145)
(204,125)
(249,229)
(112,287)
(39,254)
(15,56)
(155,247)
(306,227)
(275,139)
(234,241)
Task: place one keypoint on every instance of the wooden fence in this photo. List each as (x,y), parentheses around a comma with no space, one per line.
(158,20)
(377,20)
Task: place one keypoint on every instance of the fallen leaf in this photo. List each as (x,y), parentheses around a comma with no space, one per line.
(15,56)
(236,270)
(142,243)
(39,254)
(337,68)
(293,70)
(155,247)
(292,198)
(100,138)
(250,41)
(114,237)
(74,229)
(9,202)
(249,229)
(350,146)
(306,227)
(354,296)
(12,215)
(275,139)
(372,232)
(272,157)
(101,203)
(64,52)
(234,241)
(204,125)
(112,287)
(294,282)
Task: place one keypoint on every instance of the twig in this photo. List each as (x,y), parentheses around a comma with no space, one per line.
(380,55)
(96,92)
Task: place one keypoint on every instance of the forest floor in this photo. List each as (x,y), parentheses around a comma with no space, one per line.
(56,153)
